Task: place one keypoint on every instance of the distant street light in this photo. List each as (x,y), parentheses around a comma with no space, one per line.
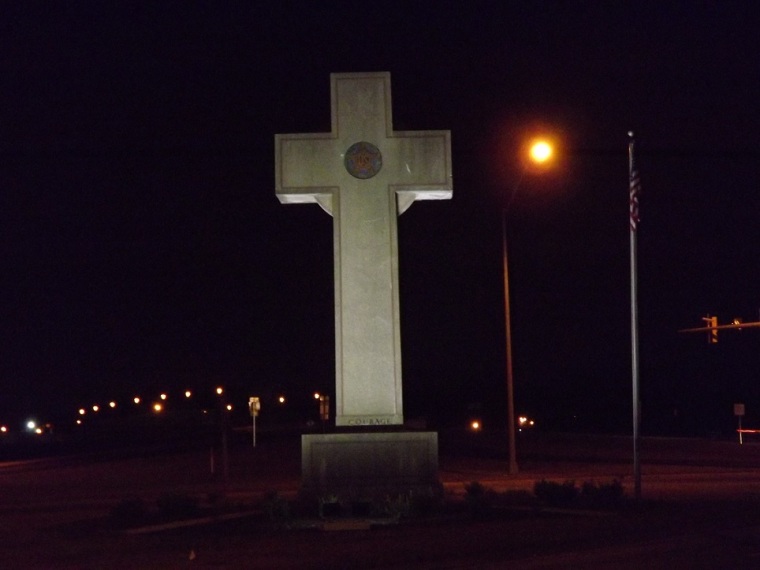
(540,152)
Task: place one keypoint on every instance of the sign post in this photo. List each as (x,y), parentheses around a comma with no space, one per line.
(254,405)
(739,412)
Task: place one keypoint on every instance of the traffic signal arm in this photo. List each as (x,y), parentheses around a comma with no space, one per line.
(722,327)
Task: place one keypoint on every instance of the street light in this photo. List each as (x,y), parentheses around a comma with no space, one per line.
(540,153)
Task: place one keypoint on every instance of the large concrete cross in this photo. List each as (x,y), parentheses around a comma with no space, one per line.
(364,173)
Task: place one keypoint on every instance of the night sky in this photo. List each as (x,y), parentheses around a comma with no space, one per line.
(142,247)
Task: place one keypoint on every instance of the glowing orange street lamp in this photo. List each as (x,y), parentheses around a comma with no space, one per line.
(540,153)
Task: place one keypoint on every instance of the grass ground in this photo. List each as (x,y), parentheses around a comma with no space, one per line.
(699,510)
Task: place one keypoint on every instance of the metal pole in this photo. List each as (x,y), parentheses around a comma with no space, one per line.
(225,456)
(223,426)
(254,430)
(741,441)
(633,222)
(508,326)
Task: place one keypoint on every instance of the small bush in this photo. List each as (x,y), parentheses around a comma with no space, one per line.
(276,507)
(556,494)
(590,495)
(479,498)
(397,506)
(129,512)
(428,501)
(514,498)
(177,506)
(602,496)
(330,506)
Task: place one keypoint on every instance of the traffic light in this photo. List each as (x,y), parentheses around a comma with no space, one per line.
(712,334)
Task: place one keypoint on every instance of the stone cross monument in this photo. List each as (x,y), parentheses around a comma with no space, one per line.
(364,174)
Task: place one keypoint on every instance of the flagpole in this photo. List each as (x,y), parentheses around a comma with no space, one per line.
(633,206)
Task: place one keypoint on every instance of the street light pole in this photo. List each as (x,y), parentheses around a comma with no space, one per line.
(539,153)
(508,326)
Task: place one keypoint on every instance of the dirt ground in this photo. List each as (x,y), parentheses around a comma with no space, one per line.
(699,509)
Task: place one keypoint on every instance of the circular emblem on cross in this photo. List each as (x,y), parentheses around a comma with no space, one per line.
(363,160)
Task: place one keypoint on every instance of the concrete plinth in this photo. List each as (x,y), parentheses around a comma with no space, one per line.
(365,466)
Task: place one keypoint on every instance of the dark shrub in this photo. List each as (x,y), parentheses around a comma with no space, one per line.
(479,498)
(514,498)
(129,512)
(555,494)
(276,507)
(177,506)
(602,496)
(427,502)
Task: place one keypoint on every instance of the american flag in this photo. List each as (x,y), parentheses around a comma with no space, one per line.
(634,187)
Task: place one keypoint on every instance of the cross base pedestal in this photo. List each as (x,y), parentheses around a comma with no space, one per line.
(364,468)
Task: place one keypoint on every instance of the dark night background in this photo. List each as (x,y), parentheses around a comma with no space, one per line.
(142,247)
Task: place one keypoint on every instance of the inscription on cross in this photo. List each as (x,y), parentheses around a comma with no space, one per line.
(364,174)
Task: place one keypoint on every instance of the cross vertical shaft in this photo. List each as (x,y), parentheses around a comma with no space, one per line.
(364,174)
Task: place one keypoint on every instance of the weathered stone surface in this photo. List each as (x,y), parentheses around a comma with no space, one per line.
(365,465)
(364,174)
